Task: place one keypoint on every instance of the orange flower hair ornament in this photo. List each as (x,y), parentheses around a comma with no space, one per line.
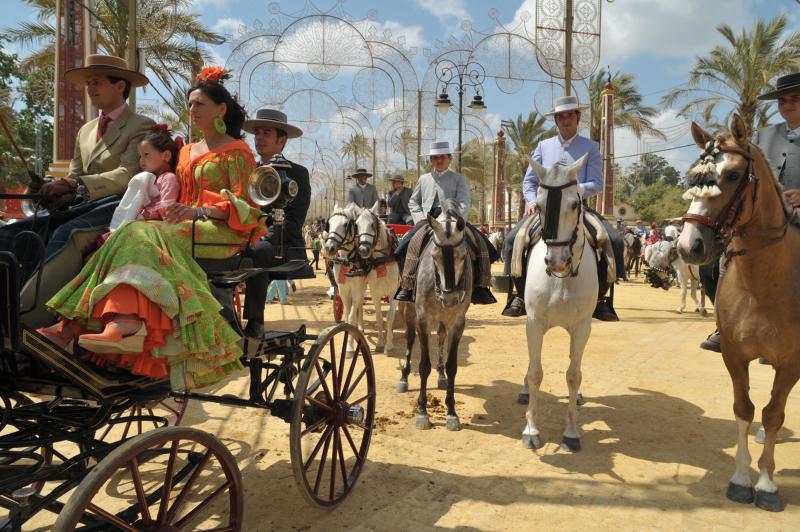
(213,73)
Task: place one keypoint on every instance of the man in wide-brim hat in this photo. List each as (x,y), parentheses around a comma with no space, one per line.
(104,160)
(272,130)
(779,143)
(362,193)
(397,200)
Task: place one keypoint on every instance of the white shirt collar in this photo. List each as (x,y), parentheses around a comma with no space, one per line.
(792,134)
(362,186)
(565,143)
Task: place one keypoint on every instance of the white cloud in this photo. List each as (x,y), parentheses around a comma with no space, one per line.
(228,26)
(412,35)
(446,10)
(212,3)
(677,130)
(672,28)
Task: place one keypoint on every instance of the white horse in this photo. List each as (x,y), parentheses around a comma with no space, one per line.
(662,256)
(340,248)
(561,290)
(383,275)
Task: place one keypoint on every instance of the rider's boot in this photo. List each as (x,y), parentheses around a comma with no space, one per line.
(604,311)
(712,343)
(516,305)
(482,296)
(404,295)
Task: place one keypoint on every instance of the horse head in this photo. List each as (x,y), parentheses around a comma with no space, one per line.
(450,255)
(370,232)
(341,229)
(718,184)
(660,257)
(561,213)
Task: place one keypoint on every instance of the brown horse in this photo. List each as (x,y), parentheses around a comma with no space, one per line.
(737,202)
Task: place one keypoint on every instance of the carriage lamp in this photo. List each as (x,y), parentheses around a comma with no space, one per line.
(477,103)
(443,102)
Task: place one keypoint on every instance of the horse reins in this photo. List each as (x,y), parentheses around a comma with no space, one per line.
(550,225)
(725,224)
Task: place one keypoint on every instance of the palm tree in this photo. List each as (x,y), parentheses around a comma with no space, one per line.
(168,36)
(407,143)
(477,166)
(734,74)
(525,135)
(356,147)
(629,113)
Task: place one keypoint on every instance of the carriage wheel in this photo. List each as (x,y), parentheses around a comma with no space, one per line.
(175,478)
(332,416)
(143,417)
(338,307)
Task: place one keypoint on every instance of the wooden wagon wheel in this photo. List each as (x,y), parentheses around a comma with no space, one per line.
(175,478)
(143,417)
(332,416)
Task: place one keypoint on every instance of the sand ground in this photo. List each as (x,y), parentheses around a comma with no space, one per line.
(658,433)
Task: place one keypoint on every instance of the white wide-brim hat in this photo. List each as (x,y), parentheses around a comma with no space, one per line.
(440,148)
(566,103)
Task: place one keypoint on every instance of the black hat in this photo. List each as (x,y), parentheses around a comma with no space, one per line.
(397,177)
(784,84)
(360,171)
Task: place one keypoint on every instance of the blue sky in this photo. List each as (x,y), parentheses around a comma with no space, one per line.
(657,40)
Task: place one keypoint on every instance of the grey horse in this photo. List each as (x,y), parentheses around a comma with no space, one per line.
(443,294)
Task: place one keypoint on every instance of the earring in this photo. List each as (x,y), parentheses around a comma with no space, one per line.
(219,125)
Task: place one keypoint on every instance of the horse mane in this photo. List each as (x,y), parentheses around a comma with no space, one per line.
(351,210)
(787,209)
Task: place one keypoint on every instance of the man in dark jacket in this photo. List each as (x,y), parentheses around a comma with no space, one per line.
(398,202)
(271,131)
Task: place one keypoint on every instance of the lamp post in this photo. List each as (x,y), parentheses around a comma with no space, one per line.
(460,76)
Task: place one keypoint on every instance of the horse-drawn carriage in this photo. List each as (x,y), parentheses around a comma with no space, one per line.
(103,449)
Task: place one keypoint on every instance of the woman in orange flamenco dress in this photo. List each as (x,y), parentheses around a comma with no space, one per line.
(143,290)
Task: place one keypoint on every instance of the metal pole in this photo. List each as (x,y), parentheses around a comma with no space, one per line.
(460,116)
(133,42)
(568,19)
(374,160)
(419,133)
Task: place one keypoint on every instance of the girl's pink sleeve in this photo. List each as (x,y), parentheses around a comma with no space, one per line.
(168,191)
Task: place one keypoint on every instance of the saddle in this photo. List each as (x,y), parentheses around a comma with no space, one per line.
(531,231)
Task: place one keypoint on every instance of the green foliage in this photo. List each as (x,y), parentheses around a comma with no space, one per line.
(732,75)
(658,201)
(525,134)
(629,113)
(356,147)
(649,169)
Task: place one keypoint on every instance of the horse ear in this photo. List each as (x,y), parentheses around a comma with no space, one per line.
(739,130)
(460,223)
(701,138)
(435,225)
(376,207)
(538,168)
(577,165)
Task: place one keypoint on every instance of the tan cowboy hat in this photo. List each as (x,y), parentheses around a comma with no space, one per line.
(272,118)
(107,65)
(358,172)
(786,83)
(564,104)
(397,177)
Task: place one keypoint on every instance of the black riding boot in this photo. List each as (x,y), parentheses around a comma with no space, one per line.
(604,310)
(516,304)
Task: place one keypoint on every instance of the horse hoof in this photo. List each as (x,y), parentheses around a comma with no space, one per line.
(761,435)
(680,311)
(401,387)
(741,494)
(523,398)
(769,501)
(442,383)
(423,422)
(704,313)
(379,349)
(531,441)
(453,423)
(697,310)
(579,400)
(571,444)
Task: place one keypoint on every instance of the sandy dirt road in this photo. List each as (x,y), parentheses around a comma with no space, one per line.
(658,434)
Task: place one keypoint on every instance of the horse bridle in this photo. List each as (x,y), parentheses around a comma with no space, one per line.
(373,236)
(449,263)
(726,224)
(343,241)
(550,224)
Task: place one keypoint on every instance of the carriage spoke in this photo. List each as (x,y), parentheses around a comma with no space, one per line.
(322,462)
(139,421)
(352,368)
(152,415)
(112,519)
(200,507)
(352,443)
(361,400)
(355,384)
(110,425)
(326,435)
(315,425)
(133,466)
(342,466)
(322,380)
(176,506)
(333,464)
(168,482)
(342,357)
(334,372)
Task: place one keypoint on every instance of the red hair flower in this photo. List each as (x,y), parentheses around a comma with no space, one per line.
(213,73)
(160,127)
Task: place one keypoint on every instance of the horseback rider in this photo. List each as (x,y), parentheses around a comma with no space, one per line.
(431,191)
(779,143)
(272,130)
(105,159)
(568,146)
(362,193)
(398,199)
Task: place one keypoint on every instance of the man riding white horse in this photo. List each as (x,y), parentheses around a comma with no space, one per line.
(428,197)
(566,148)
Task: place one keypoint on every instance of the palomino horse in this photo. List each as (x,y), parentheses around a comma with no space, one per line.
(383,275)
(340,248)
(443,294)
(663,259)
(736,198)
(561,290)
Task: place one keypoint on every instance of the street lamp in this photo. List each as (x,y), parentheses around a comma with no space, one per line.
(460,76)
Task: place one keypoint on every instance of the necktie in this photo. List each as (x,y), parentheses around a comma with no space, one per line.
(102,126)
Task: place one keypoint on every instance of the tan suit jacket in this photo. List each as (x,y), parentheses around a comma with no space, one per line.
(106,166)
